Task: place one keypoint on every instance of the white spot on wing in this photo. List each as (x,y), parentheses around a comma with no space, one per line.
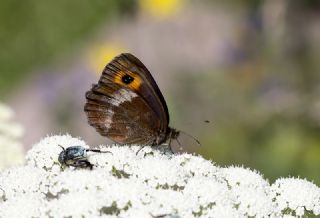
(121,96)
(108,119)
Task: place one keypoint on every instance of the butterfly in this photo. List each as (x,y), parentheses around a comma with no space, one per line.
(127,106)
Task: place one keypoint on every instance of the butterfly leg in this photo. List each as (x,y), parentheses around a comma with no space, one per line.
(140,149)
(180,146)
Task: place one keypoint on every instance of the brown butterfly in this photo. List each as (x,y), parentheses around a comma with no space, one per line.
(127,106)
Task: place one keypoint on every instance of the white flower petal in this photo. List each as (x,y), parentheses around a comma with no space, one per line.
(150,183)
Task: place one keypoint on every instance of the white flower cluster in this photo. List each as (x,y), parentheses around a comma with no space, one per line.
(150,183)
(11,151)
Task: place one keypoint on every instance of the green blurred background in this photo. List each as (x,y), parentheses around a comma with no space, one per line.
(250,68)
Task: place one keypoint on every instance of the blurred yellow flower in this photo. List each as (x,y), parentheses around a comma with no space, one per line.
(100,55)
(161,8)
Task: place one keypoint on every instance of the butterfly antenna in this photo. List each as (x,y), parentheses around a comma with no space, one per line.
(198,142)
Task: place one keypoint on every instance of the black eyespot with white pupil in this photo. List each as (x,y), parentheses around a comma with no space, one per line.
(127,79)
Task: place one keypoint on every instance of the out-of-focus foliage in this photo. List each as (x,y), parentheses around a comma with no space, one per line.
(264,107)
(32,33)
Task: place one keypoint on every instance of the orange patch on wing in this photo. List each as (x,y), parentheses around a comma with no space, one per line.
(134,85)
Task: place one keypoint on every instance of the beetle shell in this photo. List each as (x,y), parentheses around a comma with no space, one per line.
(72,155)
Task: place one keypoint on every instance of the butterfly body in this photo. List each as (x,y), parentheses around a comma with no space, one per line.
(127,106)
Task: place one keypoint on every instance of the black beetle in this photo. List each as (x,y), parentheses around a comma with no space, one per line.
(76,156)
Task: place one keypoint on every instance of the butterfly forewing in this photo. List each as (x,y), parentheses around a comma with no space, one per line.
(126,105)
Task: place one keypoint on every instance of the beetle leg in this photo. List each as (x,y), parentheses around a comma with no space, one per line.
(62,147)
(98,151)
(85,164)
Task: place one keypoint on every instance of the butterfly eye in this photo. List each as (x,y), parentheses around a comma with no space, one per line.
(127,79)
